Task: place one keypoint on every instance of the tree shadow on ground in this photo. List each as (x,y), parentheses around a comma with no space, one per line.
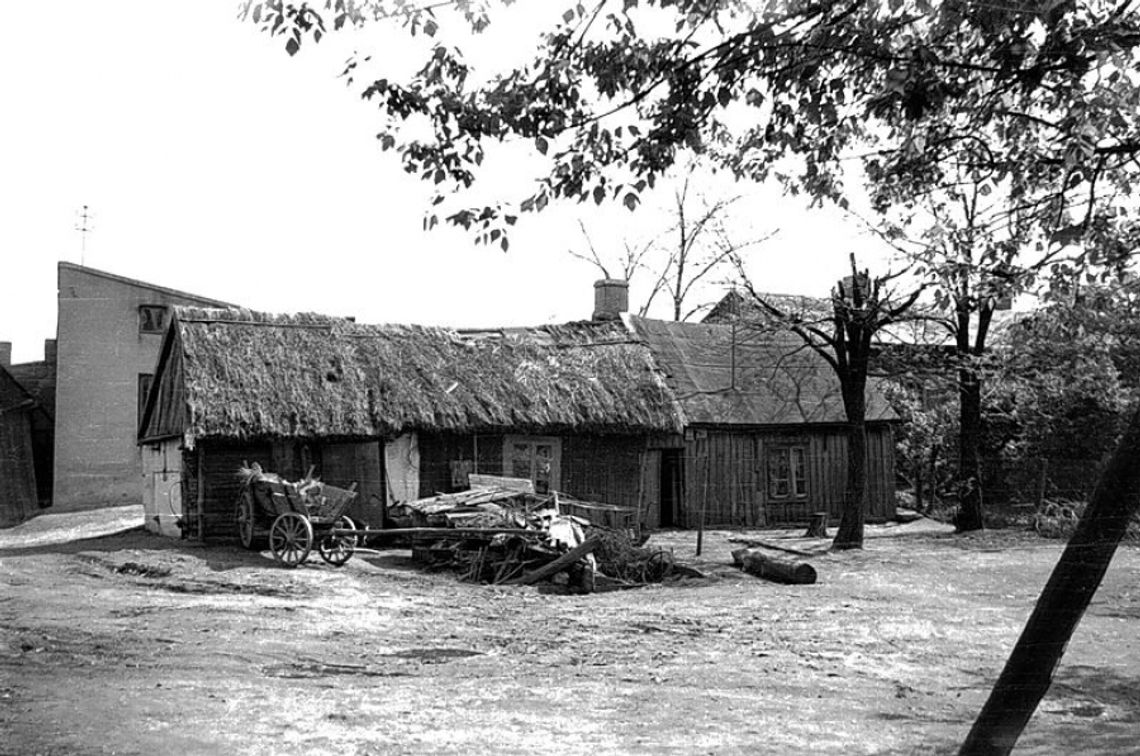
(1087,710)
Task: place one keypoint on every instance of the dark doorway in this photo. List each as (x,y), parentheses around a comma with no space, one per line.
(670,486)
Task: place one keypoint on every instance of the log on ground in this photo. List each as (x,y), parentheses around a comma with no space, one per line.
(779,570)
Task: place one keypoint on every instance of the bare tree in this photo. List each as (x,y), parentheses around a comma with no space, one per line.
(861,307)
(697,246)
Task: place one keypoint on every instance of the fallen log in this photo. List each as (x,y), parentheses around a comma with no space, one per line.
(558,565)
(773,568)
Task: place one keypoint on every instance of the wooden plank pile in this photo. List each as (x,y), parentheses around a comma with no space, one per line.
(504,534)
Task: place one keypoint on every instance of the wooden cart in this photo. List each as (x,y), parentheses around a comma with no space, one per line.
(293,517)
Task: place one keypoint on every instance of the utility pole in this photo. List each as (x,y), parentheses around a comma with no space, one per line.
(84,226)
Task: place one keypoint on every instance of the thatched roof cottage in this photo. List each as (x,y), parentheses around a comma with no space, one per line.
(617,411)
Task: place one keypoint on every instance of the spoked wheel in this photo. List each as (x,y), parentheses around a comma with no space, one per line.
(337,549)
(247,522)
(291,539)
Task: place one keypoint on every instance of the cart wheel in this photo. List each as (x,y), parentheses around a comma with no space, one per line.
(247,522)
(337,549)
(291,539)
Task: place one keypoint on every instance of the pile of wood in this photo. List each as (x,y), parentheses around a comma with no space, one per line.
(502,533)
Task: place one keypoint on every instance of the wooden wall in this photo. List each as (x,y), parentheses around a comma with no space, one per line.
(445,456)
(604,469)
(210,507)
(210,486)
(723,481)
(343,464)
(726,475)
(17,468)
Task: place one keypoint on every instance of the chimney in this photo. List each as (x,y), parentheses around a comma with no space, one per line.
(50,351)
(611,298)
(5,354)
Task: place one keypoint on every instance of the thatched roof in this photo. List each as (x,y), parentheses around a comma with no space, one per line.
(722,375)
(240,374)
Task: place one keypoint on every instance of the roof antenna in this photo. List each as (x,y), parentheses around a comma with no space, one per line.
(84,225)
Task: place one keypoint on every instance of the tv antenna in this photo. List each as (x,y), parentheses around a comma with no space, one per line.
(84,225)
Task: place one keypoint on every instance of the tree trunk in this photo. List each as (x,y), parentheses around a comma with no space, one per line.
(1029,671)
(969,452)
(850,533)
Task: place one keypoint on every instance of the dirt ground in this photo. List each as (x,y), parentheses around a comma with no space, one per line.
(127,643)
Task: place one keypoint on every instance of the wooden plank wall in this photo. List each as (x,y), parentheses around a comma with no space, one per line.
(221,486)
(650,503)
(605,469)
(482,454)
(17,468)
(721,477)
(337,463)
(828,473)
(725,473)
(343,464)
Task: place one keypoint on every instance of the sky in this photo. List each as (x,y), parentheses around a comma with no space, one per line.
(214,163)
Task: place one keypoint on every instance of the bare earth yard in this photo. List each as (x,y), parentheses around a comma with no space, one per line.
(129,643)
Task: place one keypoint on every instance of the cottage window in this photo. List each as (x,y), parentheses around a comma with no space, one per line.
(787,476)
(152,318)
(536,458)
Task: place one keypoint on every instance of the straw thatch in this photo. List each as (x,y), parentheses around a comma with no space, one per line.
(240,374)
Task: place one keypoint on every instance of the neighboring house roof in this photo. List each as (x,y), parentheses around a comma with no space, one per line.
(926,327)
(38,379)
(200,300)
(240,374)
(725,375)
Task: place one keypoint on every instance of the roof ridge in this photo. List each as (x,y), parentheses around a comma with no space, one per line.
(64,265)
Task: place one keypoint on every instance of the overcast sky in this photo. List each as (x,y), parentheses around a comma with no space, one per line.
(216,164)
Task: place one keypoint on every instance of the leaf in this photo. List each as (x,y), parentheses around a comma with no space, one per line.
(430,27)
(568,16)
(599,194)
(630,201)
(292,46)
(541,144)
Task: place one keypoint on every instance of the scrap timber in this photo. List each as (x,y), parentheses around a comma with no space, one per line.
(506,534)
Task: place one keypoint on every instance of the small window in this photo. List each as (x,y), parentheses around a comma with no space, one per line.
(537,459)
(787,476)
(145,379)
(152,318)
